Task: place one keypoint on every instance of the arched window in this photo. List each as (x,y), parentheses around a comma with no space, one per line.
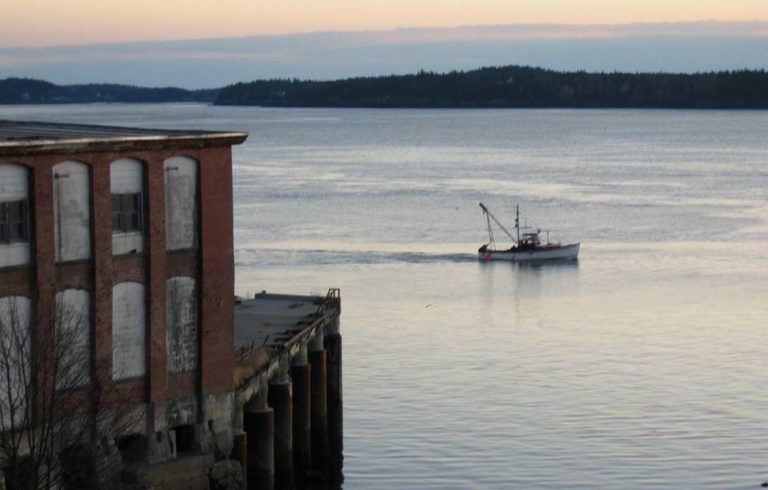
(127,187)
(129,331)
(73,338)
(72,211)
(181,322)
(181,198)
(14,215)
(15,360)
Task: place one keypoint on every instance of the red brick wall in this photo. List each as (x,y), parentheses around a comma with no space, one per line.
(218,259)
(212,265)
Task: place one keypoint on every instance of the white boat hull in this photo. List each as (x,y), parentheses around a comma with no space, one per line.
(564,252)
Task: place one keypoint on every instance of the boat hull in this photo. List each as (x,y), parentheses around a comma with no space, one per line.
(563,252)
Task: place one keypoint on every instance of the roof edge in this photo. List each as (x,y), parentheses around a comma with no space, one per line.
(120,143)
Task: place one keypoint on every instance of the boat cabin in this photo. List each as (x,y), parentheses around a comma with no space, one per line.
(529,241)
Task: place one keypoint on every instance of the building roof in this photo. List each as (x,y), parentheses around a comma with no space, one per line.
(24,137)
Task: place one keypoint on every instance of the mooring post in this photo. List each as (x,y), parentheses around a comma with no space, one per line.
(302,435)
(335,406)
(319,403)
(280,399)
(259,422)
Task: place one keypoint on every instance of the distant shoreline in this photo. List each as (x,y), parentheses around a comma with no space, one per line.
(508,87)
(517,87)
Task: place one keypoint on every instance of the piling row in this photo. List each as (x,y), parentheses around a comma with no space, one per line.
(293,426)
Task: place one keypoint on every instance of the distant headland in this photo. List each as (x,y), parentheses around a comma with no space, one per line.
(490,87)
(31,91)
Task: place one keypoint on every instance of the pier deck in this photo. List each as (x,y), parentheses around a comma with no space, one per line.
(272,320)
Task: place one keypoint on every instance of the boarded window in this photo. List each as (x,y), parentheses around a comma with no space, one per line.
(72,211)
(73,338)
(129,331)
(181,320)
(16,387)
(181,203)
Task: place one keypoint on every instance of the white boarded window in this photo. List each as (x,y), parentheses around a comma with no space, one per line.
(14,215)
(15,351)
(126,177)
(72,211)
(73,338)
(129,331)
(181,320)
(181,199)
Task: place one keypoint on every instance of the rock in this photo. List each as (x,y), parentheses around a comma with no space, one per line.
(225,475)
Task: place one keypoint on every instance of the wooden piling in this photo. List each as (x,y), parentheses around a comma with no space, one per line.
(319,407)
(335,405)
(280,400)
(302,435)
(259,422)
(240,453)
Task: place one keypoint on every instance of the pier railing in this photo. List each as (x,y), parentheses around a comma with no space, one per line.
(332,299)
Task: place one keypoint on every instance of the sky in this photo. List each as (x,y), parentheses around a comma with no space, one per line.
(35,23)
(208,44)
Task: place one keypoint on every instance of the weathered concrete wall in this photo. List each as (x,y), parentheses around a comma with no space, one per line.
(129,331)
(72,211)
(126,177)
(181,324)
(14,186)
(73,326)
(15,314)
(180,203)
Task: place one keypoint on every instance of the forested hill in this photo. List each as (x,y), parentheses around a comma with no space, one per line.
(513,86)
(30,91)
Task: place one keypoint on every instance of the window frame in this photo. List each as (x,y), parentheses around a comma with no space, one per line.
(16,231)
(124,222)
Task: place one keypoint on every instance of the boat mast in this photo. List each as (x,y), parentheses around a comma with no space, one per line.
(517,222)
(489,216)
(491,241)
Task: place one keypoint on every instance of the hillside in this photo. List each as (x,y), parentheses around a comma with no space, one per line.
(513,86)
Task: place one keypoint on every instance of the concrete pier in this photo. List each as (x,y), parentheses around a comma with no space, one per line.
(259,421)
(281,401)
(335,405)
(281,343)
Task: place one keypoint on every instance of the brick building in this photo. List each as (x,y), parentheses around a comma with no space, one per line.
(131,228)
(129,232)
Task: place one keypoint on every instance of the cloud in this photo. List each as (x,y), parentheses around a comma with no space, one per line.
(677,47)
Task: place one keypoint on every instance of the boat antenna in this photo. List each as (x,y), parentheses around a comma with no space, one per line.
(489,216)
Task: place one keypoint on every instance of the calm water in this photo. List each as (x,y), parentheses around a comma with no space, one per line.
(644,366)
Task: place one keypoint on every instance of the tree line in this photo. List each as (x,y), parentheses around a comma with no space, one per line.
(512,86)
(31,91)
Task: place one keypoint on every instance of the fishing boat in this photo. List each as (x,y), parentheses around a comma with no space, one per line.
(527,247)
